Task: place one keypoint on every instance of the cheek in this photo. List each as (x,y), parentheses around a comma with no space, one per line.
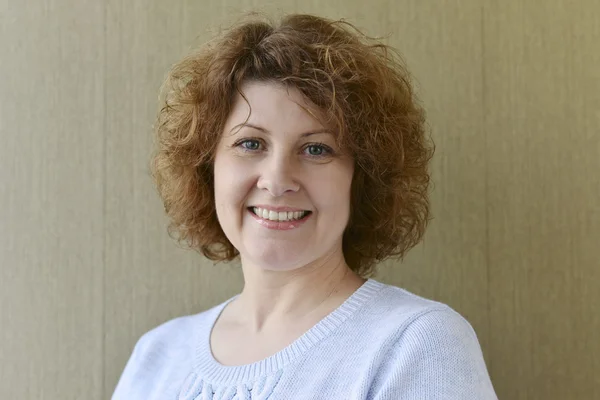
(333,189)
(233,182)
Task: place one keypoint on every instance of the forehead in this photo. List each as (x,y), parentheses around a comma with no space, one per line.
(274,107)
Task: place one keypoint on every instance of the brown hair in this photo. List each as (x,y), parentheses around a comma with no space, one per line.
(362,86)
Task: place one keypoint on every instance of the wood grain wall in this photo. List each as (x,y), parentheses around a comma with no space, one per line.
(512,90)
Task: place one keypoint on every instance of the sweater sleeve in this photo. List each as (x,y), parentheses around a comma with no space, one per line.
(436,357)
(128,377)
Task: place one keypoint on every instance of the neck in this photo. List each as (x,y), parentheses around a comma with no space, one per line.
(280,297)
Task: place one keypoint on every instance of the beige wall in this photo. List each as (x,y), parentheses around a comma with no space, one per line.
(513,96)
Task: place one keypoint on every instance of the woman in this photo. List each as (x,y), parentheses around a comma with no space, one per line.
(300,148)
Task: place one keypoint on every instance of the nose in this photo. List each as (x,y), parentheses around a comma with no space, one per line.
(277,176)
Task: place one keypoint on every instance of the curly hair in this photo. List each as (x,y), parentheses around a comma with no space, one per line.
(364,89)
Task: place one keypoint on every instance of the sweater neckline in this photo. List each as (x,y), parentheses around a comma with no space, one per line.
(213,371)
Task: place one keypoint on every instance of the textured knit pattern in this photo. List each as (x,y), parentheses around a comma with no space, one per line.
(382,343)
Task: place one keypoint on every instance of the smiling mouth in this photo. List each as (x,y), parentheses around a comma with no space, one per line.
(279,216)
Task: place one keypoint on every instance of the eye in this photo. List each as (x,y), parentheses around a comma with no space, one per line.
(314,150)
(249,144)
(317,150)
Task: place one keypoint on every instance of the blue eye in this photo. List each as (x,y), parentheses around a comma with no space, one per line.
(250,144)
(317,150)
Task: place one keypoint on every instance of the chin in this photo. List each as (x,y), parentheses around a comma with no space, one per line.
(278,258)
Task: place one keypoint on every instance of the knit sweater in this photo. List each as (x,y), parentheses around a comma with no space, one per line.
(382,343)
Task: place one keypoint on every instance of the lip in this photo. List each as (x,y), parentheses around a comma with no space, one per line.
(280,225)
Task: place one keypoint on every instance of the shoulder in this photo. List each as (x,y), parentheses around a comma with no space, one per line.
(415,321)
(173,342)
(401,300)
(397,309)
(430,350)
(176,334)
(163,356)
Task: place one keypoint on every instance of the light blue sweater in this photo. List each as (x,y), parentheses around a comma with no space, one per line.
(383,343)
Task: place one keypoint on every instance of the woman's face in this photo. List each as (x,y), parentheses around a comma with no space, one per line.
(282,186)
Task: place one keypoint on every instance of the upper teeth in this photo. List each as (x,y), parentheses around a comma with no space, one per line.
(278,216)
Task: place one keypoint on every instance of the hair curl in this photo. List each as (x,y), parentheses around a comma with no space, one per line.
(362,86)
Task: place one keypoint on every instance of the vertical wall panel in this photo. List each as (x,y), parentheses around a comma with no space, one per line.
(51,199)
(543,147)
(148,278)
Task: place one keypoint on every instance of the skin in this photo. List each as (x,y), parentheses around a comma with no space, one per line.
(280,156)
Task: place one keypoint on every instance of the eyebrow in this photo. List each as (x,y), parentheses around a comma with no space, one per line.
(260,128)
